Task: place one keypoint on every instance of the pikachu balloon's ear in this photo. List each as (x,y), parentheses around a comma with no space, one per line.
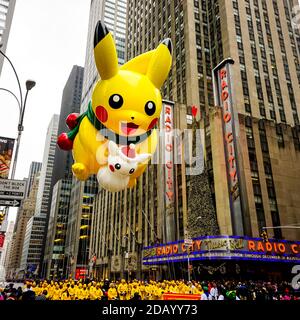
(105,52)
(160,63)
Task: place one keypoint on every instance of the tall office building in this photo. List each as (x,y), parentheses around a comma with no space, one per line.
(77,248)
(32,246)
(62,169)
(25,212)
(113,14)
(35,236)
(35,167)
(263,90)
(54,256)
(70,103)
(7,8)
(260,38)
(43,196)
(266,75)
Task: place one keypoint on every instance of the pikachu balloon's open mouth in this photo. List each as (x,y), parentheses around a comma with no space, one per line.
(129,127)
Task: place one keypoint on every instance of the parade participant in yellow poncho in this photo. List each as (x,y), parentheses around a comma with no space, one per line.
(66,295)
(142,290)
(183,289)
(92,292)
(56,293)
(98,292)
(72,291)
(123,289)
(50,291)
(148,291)
(78,290)
(85,292)
(135,289)
(196,289)
(37,289)
(112,292)
(157,292)
(172,288)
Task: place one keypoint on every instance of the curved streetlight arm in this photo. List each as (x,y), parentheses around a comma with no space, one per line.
(3,89)
(23,111)
(21,96)
(20,129)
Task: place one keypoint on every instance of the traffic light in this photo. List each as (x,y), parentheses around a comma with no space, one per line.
(264,235)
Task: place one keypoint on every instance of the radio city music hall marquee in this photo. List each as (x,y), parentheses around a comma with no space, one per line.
(224,247)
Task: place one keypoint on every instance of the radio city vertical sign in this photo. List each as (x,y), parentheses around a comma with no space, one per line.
(168,151)
(223,98)
(167,169)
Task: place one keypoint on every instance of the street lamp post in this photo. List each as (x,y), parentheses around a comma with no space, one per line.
(29,85)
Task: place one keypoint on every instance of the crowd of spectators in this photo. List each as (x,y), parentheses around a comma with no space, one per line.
(148,290)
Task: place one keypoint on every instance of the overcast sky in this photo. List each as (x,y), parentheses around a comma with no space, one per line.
(47,38)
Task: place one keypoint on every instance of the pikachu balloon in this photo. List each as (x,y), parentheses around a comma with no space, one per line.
(125,106)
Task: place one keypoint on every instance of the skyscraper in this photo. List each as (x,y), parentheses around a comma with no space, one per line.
(26,211)
(264,94)
(70,103)
(35,236)
(259,37)
(35,167)
(77,244)
(7,8)
(54,257)
(62,171)
(266,101)
(43,196)
(32,246)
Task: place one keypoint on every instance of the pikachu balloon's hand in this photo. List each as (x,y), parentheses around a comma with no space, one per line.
(80,171)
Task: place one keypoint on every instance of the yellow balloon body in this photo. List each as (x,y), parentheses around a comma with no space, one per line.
(126,101)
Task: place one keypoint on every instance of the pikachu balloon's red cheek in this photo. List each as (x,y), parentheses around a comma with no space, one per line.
(101,114)
(153,124)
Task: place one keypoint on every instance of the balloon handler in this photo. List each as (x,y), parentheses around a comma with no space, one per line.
(121,116)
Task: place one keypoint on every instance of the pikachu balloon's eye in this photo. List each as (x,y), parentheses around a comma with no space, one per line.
(116,101)
(150,108)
